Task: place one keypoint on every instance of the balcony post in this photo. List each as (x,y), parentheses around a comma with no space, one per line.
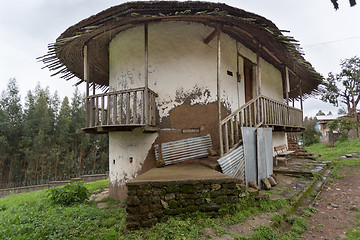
(86,79)
(218,63)
(287,85)
(258,72)
(146,89)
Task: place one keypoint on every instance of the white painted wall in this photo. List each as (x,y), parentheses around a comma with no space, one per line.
(271,81)
(122,147)
(279,138)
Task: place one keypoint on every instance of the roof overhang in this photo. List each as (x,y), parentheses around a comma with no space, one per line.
(253,31)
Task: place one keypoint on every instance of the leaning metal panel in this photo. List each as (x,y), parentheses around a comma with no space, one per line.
(249,143)
(233,164)
(181,150)
(264,153)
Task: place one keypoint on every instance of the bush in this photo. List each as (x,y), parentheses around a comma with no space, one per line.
(69,194)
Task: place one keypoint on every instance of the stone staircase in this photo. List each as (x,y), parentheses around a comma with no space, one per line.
(300,152)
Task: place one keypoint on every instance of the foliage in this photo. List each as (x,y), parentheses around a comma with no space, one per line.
(39,140)
(69,194)
(349,92)
(299,225)
(343,125)
(309,211)
(264,233)
(336,4)
(311,135)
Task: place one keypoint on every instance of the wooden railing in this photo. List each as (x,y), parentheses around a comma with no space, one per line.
(121,108)
(255,113)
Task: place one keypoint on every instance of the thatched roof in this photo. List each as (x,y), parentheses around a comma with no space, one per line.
(66,55)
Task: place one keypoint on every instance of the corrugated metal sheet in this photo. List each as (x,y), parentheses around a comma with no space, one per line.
(233,163)
(181,150)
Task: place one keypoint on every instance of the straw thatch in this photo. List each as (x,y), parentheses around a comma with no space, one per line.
(65,57)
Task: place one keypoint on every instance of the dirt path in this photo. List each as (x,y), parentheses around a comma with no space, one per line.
(338,207)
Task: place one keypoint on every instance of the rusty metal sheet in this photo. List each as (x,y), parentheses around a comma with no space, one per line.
(264,153)
(181,150)
(233,163)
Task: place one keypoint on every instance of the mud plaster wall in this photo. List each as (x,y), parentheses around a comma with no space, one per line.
(127,152)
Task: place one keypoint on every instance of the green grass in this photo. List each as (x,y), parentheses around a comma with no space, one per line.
(33,216)
(340,148)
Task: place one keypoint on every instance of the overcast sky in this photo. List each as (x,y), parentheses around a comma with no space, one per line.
(27,26)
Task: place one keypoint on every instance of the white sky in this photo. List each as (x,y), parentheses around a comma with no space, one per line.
(27,26)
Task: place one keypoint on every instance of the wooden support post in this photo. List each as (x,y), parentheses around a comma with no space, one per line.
(301,99)
(258,72)
(86,79)
(86,69)
(218,87)
(287,83)
(146,90)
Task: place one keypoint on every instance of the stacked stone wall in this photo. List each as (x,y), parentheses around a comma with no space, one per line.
(152,202)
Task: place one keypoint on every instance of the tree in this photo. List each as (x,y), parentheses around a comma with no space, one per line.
(320,113)
(311,135)
(336,4)
(329,113)
(349,92)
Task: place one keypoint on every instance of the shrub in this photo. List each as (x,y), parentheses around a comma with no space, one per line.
(69,194)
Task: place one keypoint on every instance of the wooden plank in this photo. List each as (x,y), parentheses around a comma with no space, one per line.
(127,108)
(109,109)
(146,90)
(115,109)
(103,111)
(211,36)
(218,65)
(91,112)
(236,122)
(232,142)
(135,120)
(226,138)
(287,83)
(142,107)
(97,111)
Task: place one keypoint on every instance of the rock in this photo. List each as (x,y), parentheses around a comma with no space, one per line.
(254,185)
(272,181)
(266,183)
(274,177)
(343,157)
(212,152)
(348,155)
(164,204)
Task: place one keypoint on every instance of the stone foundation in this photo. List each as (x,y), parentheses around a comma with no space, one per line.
(152,202)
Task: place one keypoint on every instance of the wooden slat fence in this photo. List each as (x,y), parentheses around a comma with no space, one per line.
(255,113)
(121,108)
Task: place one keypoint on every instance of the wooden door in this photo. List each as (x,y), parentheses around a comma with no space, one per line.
(248,80)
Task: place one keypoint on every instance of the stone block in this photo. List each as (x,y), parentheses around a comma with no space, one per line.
(266,183)
(215,187)
(209,207)
(172,189)
(173,204)
(132,201)
(143,209)
(170,196)
(187,188)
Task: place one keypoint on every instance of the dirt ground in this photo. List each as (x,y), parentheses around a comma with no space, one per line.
(338,205)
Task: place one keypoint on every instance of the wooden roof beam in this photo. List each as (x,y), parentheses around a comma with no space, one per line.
(211,36)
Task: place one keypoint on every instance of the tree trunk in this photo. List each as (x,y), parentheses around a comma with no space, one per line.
(93,170)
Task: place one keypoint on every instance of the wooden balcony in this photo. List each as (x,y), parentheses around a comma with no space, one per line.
(260,111)
(121,111)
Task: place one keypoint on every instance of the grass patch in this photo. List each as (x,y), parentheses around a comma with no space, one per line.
(340,148)
(309,211)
